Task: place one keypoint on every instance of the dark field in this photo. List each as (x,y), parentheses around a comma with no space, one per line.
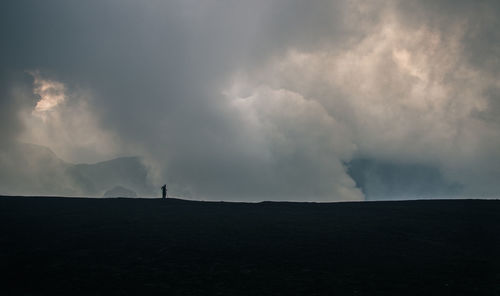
(174,247)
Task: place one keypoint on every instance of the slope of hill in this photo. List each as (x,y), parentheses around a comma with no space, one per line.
(95,179)
(28,168)
(133,246)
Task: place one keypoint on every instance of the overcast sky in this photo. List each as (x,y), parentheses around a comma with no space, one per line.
(255,100)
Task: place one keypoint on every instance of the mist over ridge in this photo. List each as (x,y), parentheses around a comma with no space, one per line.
(33,168)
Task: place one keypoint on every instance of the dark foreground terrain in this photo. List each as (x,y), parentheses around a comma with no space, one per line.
(174,247)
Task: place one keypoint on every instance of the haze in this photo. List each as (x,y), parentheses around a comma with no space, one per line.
(251,100)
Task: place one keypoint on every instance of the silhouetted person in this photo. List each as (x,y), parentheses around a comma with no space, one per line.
(164,191)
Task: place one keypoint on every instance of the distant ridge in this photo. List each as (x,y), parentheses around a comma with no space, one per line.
(32,168)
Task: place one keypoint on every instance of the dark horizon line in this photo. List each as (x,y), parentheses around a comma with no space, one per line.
(177,198)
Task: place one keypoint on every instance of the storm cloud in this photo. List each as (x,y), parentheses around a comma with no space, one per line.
(259,100)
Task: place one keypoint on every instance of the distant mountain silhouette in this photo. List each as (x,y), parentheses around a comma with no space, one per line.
(27,169)
(387,180)
(94,179)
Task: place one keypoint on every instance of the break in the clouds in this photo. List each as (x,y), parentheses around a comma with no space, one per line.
(258,100)
(64,120)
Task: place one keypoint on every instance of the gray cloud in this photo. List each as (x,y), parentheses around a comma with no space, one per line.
(262,99)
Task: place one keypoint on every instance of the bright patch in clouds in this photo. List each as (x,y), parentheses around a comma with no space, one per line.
(51,93)
(64,120)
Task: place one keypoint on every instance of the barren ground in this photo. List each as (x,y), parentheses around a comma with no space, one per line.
(141,246)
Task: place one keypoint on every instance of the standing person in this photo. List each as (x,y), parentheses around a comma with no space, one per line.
(164,191)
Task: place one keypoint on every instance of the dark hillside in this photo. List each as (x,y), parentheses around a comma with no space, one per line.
(138,246)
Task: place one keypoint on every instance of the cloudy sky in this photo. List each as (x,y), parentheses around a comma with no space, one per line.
(258,100)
